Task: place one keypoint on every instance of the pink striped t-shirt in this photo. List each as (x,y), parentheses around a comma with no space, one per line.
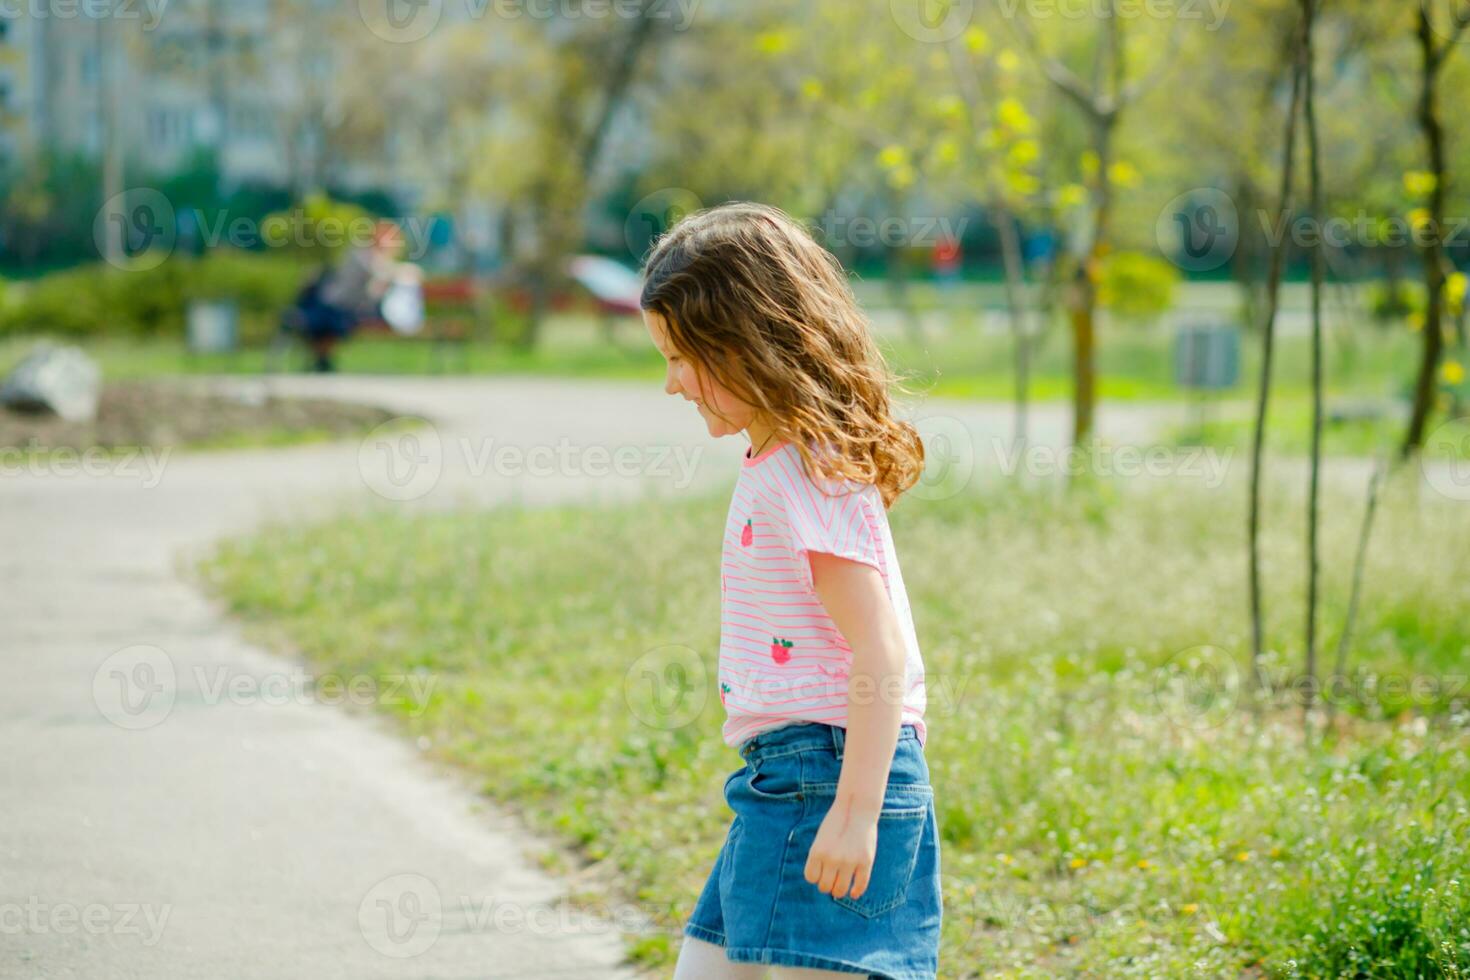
(782,659)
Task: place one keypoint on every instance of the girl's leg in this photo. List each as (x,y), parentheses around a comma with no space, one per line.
(699,960)
(805,973)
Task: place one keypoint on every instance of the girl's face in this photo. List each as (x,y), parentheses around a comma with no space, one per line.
(724,414)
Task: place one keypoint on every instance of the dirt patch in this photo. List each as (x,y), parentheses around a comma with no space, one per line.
(142,413)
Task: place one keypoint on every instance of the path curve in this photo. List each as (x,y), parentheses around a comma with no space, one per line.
(256,835)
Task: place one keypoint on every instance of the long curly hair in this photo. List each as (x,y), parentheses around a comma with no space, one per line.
(750,296)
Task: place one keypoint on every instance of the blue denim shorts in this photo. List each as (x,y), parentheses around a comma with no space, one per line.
(759,906)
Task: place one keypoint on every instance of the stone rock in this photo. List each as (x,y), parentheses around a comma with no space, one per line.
(59,380)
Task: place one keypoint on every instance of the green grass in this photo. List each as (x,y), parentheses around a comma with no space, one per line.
(1096,820)
(1134,363)
(1290,431)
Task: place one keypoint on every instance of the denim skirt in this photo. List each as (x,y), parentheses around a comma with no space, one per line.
(759,906)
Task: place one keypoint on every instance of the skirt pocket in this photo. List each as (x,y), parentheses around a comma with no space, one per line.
(777,779)
(900,834)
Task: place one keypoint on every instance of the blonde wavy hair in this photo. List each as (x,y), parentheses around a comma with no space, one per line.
(748,294)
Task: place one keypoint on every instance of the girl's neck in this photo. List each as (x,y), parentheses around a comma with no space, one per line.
(761,437)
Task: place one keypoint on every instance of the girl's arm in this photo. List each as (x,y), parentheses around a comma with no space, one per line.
(856,599)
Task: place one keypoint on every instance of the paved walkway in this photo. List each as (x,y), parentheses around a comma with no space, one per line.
(171,810)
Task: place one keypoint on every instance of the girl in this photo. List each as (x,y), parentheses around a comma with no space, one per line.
(831,864)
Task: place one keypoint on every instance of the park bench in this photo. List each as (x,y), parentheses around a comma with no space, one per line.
(452,310)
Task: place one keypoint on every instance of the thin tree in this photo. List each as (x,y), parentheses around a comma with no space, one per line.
(1284,209)
(976,93)
(1102,105)
(1314,190)
(1432,56)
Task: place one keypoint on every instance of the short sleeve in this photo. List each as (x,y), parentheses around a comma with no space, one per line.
(841,524)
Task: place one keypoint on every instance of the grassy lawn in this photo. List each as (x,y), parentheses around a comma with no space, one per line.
(963,362)
(1110,804)
(1231,425)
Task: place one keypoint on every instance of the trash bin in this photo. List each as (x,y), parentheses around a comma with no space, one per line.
(1207,356)
(212,326)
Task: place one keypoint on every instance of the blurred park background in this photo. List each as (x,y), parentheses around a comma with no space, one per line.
(1177,290)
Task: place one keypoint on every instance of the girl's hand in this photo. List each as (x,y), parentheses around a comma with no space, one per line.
(841,858)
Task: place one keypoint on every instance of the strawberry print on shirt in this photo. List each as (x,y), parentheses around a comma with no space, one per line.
(782,659)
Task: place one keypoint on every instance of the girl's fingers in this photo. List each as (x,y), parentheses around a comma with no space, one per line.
(859,883)
(829,878)
(843,885)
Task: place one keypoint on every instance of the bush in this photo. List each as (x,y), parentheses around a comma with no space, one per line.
(257,282)
(97,300)
(1390,301)
(1136,286)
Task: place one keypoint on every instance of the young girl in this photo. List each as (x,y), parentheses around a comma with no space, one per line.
(831,864)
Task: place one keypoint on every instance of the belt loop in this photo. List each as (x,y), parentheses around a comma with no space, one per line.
(837,741)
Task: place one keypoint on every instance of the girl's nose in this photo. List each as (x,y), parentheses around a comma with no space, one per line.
(671,383)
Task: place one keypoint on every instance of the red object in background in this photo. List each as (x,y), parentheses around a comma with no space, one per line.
(947,254)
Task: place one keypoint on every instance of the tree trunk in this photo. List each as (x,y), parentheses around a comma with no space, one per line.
(1010,248)
(1084,292)
(1315,192)
(1433,253)
(1272,301)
